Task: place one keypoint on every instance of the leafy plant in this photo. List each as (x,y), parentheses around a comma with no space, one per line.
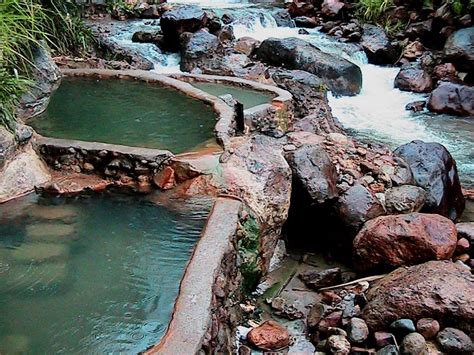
(21,26)
(372,10)
(11,89)
(65,27)
(24,24)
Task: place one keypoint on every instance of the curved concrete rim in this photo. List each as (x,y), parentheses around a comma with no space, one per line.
(280,96)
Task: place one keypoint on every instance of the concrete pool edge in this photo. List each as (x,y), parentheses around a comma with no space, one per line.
(192,317)
(264,117)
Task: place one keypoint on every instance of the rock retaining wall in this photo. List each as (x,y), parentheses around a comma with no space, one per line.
(200,320)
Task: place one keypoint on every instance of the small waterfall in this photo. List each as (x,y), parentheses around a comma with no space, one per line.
(377,113)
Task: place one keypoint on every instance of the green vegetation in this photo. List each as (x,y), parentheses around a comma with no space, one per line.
(249,246)
(24,26)
(372,10)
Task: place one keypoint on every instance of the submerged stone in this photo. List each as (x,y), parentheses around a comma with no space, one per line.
(40,252)
(14,344)
(52,212)
(49,232)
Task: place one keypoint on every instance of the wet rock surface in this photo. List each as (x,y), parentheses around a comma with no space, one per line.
(341,76)
(175,22)
(434,169)
(196,49)
(46,77)
(377,45)
(413,79)
(452,98)
(459,49)
(392,241)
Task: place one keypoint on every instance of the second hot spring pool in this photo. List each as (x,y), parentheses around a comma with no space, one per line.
(92,275)
(248,97)
(126,112)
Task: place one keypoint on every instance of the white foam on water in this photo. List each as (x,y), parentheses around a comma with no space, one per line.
(380,108)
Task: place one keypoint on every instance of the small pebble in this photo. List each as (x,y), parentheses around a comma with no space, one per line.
(413,344)
(428,327)
(403,327)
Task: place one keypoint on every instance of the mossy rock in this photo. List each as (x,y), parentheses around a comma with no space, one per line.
(65,213)
(14,344)
(36,253)
(249,255)
(51,232)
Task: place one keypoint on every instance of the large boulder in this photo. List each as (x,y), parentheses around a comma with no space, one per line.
(258,173)
(203,53)
(341,76)
(332,8)
(452,98)
(283,18)
(396,240)
(377,45)
(7,145)
(311,109)
(436,289)
(413,79)
(182,19)
(314,171)
(46,76)
(434,169)
(21,174)
(357,206)
(459,49)
(196,48)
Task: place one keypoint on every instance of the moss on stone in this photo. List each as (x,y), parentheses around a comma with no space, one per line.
(249,254)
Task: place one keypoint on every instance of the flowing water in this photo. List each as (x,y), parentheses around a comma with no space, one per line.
(378,112)
(92,275)
(128,113)
(249,98)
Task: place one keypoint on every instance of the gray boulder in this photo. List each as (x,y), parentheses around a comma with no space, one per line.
(459,49)
(341,76)
(434,169)
(314,171)
(377,45)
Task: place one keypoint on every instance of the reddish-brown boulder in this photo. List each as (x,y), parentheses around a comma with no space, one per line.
(395,240)
(445,71)
(331,8)
(452,98)
(413,79)
(436,289)
(269,335)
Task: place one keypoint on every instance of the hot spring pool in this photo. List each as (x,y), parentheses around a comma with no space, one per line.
(126,112)
(248,97)
(92,275)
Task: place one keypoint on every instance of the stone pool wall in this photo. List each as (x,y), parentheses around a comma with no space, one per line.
(275,118)
(109,160)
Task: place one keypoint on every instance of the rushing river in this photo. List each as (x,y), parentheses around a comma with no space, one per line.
(377,113)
